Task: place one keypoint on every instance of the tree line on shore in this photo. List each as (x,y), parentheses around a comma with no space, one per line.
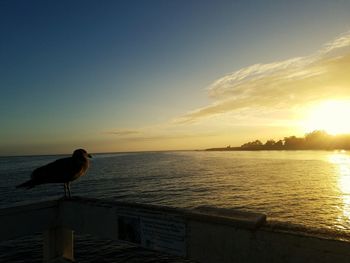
(316,140)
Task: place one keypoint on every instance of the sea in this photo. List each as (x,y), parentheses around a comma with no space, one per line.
(305,189)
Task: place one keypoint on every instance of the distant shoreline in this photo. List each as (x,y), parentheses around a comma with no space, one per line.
(239,149)
(316,140)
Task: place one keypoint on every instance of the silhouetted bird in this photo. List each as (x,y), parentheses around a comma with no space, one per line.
(62,170)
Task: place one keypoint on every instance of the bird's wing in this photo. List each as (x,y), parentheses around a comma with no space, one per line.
(59,171)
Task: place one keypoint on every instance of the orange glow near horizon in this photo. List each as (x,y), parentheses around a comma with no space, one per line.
(330,116)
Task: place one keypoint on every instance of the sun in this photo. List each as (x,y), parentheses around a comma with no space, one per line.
(330,116)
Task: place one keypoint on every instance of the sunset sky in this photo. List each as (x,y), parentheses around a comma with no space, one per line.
(168,75)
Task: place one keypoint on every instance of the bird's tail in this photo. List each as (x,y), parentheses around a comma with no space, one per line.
(29,184)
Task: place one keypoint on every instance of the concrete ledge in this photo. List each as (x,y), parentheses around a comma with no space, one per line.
(241,219)
(29,207)
(226,216)
(206,234)
(89,218)
(27,219)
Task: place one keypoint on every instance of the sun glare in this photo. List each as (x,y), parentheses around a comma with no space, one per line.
(330,116)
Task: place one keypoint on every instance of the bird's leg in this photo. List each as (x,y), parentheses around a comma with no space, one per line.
(65,190)
(68,187)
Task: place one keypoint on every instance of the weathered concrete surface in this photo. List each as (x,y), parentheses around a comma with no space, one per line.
(274,246)
(86,218)
(219,243)
(28,219)
(58,244)
(225,216)
(207,234)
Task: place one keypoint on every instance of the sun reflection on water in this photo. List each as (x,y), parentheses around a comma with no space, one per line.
(342,161)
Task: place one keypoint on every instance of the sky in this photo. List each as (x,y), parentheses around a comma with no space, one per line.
(114,76)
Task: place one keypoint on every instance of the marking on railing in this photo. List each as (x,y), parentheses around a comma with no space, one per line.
(161,232)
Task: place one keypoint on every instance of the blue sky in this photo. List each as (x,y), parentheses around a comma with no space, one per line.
(118,75)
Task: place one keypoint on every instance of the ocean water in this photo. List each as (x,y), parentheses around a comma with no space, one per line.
(310,189)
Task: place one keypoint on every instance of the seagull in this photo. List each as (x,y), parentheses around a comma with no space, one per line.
(62,170)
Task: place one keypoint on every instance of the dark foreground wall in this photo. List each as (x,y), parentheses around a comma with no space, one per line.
(204,235)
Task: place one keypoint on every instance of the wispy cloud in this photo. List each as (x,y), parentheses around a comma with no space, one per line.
(164,131)
(122,132)
(282,84)
(259,99)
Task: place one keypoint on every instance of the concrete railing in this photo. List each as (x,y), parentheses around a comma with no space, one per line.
(204,234)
